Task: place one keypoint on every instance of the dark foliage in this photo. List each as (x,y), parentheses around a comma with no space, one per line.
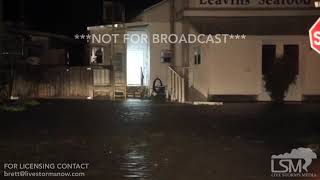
(281,75)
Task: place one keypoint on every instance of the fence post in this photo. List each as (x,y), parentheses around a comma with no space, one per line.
(173,86)
(182,92)
(176,87)
(168,82)
(179,89)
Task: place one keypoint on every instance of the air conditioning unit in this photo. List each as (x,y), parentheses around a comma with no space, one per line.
(166,56)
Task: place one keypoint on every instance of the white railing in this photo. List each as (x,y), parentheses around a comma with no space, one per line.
(175,90)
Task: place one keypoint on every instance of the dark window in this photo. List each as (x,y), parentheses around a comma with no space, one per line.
(268,56)
(197,56)
(97,55)
(292,53)
(197,59)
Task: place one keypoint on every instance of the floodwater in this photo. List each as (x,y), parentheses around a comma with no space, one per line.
(142,140)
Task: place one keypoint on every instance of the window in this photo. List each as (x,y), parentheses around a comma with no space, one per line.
(268,56)
(197,56)
(97,55)
(292,53)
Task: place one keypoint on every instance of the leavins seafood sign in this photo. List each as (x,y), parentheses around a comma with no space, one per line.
(257,2)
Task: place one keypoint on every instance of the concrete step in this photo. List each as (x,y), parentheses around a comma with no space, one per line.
(195,96)
(119,94)
(136,91)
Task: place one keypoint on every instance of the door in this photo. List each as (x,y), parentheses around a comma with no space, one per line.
(138,61)
(134,67)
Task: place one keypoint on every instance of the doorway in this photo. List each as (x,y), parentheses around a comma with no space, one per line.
(138,61)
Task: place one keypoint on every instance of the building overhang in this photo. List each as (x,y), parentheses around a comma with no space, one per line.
(250,12)
(276,25)
(126,25)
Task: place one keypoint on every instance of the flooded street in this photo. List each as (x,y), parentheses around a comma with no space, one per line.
(144,140)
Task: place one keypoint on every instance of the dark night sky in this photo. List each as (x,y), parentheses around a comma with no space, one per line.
(66,16)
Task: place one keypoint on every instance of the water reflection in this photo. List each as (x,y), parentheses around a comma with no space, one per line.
(136,163)
(135,111)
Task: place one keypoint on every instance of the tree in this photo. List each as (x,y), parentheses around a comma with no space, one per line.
(11,49)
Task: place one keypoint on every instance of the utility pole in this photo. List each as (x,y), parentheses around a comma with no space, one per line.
(172,29)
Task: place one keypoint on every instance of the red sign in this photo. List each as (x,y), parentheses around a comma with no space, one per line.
(314,34)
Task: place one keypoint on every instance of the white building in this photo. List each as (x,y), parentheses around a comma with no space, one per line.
(226,71)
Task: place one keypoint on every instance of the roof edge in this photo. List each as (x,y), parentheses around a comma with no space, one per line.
(149,9)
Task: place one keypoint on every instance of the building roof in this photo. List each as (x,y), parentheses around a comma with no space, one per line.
(43,34)
(131,21)
(149,9)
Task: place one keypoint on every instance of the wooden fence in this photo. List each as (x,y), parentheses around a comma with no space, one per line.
(53,82)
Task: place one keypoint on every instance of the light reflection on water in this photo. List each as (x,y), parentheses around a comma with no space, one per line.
(135,111)
(136,163)
(141,140)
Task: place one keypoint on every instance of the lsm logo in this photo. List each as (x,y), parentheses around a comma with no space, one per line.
(294,164)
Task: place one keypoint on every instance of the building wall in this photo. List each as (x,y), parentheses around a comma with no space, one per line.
(235,68)
(106,47)
(179,5)
(158,69)
(179,48)
(311,83)
(158,22)
(228,69)
(154,20)
(158,13)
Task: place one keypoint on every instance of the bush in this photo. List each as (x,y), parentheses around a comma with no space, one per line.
(4,94)
(18,105)
(281,75)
